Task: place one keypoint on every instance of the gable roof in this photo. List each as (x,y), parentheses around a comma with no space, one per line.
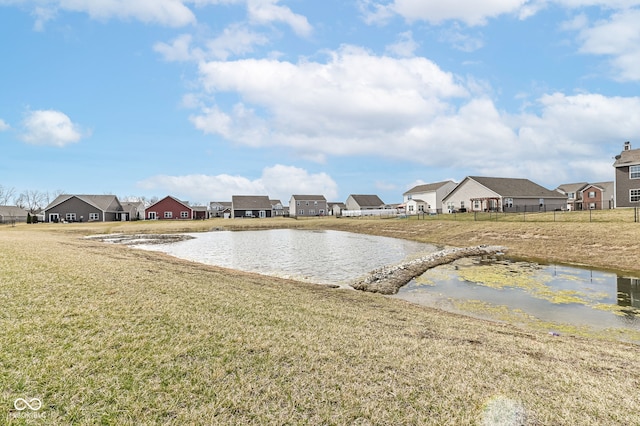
(250,202)
(12,211)
(568,188)
(427,187)
(101,202)
(367,200)
(184,203)
(514,187)
(628,157)
(309,197)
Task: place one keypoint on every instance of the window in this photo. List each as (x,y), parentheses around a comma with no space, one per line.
(297,203)
(476,204)
(634,172)
(70,217)
(312,212)
(315,203)
(153,215)
(592,194)
(508,202)
(462,204)
(571,195)
(300,212)
(307,202)
(592,206)
(184,215)
(94,216)
(421,208)
(168,215)
(321,212)
(541,201)
(634,195)
(411,208)
(248,213)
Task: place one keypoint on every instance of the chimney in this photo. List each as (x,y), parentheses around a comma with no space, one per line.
(627,146)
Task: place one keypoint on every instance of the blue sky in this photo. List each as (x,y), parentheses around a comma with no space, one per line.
(205,99)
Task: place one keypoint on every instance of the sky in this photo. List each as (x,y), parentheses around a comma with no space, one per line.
(205,99)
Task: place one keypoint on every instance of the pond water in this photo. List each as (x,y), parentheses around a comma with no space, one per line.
(323,257)
(560,299)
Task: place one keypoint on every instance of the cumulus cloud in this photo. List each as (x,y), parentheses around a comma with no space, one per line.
(278,182)
(357,103)
(471,12)
(617,37)
(173,13)
(50,127)
(3,125)
(268,11)
(404,47)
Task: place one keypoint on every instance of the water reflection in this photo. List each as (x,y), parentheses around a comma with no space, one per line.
(533,294)
(324,257)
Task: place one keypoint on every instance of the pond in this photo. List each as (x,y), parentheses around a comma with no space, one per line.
(323,257)
(557,299)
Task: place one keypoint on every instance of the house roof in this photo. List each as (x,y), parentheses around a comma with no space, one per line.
(12,211)
(514,187)
(627,157)
(309,197)
(250,202)
(427,187)
(567,188)
(337,203)
(101,202)
(367,200)
(184,203)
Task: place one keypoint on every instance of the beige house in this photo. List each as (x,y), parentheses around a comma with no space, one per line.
(477,194)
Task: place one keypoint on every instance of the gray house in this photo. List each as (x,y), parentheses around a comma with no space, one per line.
(364,202)
(477,193)
(307,205)
(85,208)
(627,177)
(250,206)
(12,214)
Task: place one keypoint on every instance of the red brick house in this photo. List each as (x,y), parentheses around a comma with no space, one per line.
(169,208)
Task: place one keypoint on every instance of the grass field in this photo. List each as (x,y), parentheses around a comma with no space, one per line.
(105,334)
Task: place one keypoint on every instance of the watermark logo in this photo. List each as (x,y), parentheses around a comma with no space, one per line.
(34,404)
(27,408)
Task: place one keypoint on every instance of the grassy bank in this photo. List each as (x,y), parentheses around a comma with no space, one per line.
(104,334)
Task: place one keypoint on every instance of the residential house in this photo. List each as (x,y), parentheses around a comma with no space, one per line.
(250,206)
(220,209)
(277,209)
(627,178)
(427,197)
(83,208)
(307,205)
(13,214)
(169,208)
(573,191)
(588,196)
(476,193)
(134,209)
(335,208)
(364,202)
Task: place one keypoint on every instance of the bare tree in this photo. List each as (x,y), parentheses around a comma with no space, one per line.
(50,196)
(31,200)
(6,195)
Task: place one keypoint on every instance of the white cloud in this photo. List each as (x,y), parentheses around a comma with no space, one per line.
(178,50)
(618,37)
(3,125)
(268,11)
(404,47)
(236,40)
(278,182)
(471,12)
(409,110)
(49,127)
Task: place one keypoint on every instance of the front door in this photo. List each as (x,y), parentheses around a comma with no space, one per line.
(54,217)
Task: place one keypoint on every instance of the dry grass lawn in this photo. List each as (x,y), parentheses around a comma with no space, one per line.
(104,334)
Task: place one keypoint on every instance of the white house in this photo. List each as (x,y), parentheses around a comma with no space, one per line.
(428,197)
